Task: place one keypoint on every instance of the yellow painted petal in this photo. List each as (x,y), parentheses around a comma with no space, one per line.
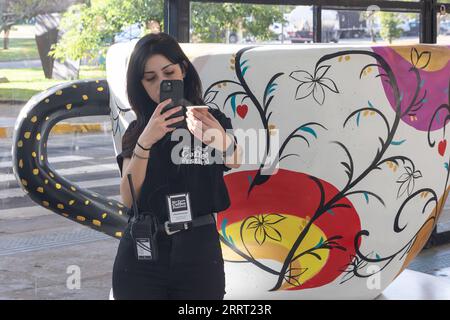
(40,189)
(81,218)
(34,119)
(27,135)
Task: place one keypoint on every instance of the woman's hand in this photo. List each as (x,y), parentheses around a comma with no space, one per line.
(157,126)
(207,129)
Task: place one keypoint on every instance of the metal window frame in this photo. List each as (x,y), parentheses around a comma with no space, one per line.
(177,13)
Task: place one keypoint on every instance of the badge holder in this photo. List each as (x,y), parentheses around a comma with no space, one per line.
(179,209)
(143,231)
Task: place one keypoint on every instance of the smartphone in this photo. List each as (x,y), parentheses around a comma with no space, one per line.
(173,89)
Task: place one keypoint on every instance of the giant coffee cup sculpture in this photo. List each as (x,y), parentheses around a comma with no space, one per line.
(360,147)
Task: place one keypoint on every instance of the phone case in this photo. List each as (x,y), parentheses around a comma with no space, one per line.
(176,93)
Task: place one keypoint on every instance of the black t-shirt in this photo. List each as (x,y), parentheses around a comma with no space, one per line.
(196,174)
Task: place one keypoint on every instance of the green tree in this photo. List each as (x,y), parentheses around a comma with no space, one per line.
(210,21)
(89,29)
(390,26)
(15,11)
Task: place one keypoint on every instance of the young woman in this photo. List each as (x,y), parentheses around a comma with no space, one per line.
(189,264)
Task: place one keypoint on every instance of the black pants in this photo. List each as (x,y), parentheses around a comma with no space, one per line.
(189,267)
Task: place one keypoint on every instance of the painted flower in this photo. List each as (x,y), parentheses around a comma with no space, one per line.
(420,60)
(313,84)
(263,225)
(407,181)
(293,274)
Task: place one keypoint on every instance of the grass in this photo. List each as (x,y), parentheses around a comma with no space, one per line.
(19,49)
(25,83)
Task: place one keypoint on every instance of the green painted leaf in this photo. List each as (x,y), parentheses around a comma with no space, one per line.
(309,130)
(397,143)
(244,71)
(233,104)
(366,196)
(320,243)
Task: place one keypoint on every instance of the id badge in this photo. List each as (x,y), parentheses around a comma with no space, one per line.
(179,207)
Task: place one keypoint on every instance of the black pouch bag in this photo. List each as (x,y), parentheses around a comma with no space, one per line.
(143,230)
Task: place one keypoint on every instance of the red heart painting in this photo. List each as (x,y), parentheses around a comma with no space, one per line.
(442,146)
(242,110)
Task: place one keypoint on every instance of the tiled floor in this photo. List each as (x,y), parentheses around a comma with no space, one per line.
(434,261)
(413,285)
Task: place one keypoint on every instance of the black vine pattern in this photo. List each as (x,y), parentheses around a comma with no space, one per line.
(315,85)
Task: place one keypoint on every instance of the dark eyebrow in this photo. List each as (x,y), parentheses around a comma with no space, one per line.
(161,69)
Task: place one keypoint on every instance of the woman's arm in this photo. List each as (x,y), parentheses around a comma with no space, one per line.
(137,166)
(155,129)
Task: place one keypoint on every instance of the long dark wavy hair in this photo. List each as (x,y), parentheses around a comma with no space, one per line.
(141,103)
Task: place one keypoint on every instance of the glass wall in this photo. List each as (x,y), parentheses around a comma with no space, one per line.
(443,22)
(272,24)
(248,23)
(367,27)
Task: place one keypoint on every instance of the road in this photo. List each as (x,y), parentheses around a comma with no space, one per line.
(37,246)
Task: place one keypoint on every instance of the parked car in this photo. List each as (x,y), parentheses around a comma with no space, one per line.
(129,33)
(410,28)
(302,36)
(276,28)
(444,28)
